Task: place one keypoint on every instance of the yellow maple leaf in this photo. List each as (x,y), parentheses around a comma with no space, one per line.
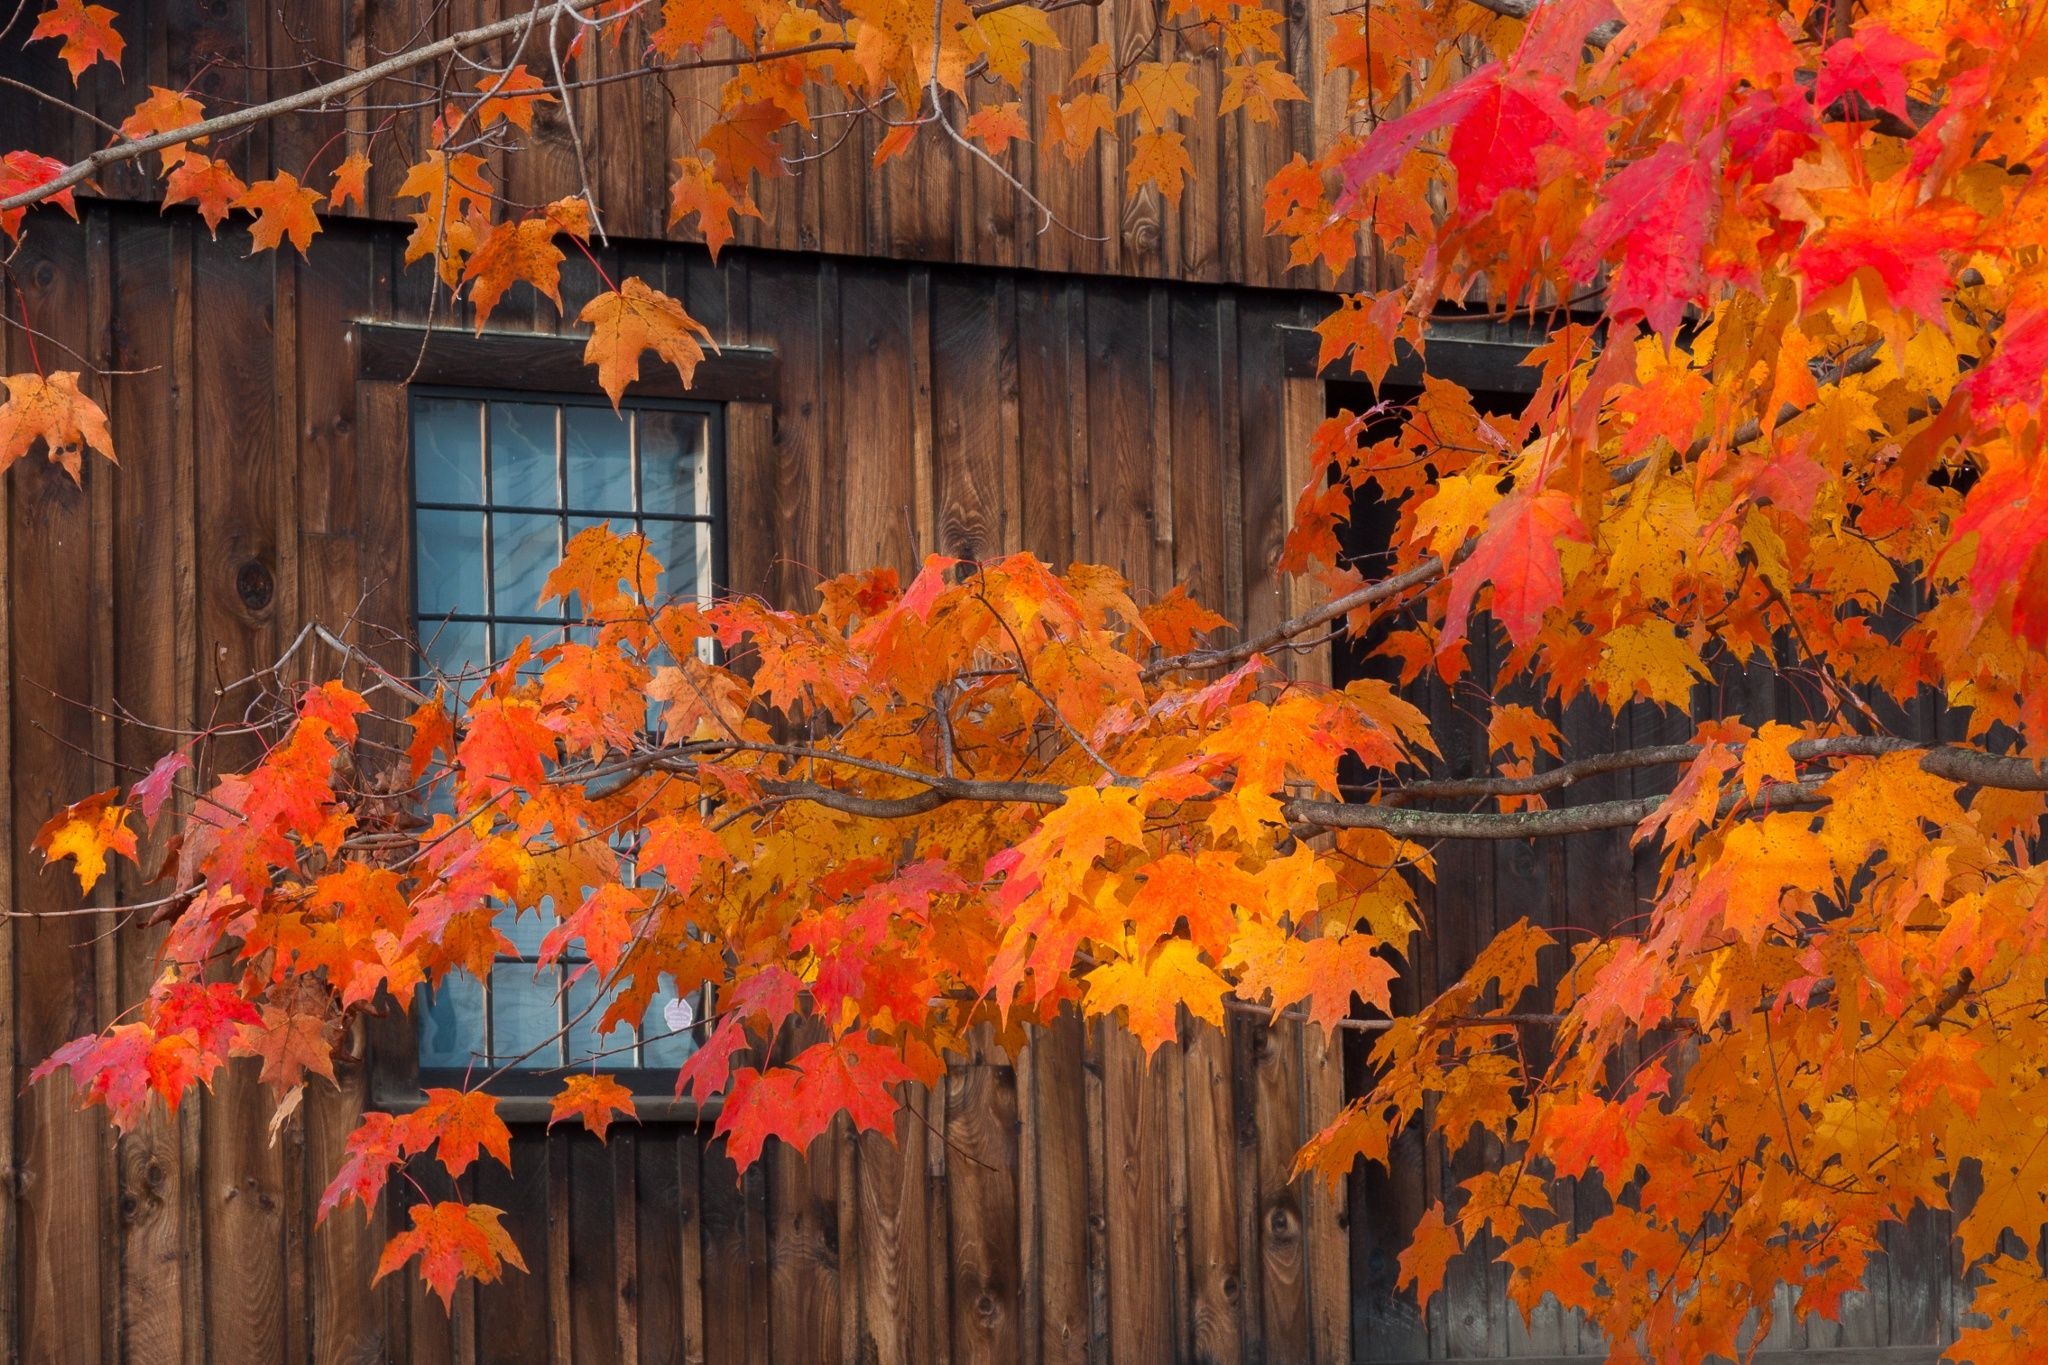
(85,832)
(1258,88)
(1151,992)
(1161,160)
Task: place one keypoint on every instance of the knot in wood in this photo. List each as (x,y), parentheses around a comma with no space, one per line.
(254,584)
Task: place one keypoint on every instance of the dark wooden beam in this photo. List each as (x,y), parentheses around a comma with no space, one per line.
(1481,364)
(401,352)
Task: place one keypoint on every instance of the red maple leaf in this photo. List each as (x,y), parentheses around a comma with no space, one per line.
(1518,554)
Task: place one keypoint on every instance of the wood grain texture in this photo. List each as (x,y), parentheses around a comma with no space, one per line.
(933,203)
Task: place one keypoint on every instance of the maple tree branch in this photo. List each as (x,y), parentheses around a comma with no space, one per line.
(1972,766)
(82,170)
(1969,766)
(1369,595)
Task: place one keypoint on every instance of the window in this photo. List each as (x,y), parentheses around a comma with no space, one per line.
(499,485)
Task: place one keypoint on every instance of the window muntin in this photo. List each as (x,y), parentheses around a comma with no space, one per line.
(500,483)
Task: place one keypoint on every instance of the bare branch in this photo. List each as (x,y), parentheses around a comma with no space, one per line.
(80,171)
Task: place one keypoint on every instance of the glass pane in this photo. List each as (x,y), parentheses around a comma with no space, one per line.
(684,549)
(448,449)
(523,1009)
(524,549)
(455,648)
(523,455)
(585,1042)
(527,928)
(670,1031)
(452,1023)
(600,463)
(675,462)
(451,563)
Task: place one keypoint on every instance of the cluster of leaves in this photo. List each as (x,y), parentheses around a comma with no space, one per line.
(1008,789)
(1788,415)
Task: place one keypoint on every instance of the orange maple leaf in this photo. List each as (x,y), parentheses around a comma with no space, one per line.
(291,1043)
(1074,124)
(165,111)
(698,189)
(523,249)
(1519,555)
(997,126)
(742,143)
(634,318)
(798,1102)
(1258,88)
(452,1241)
(206,181)
(351,181)
(283,208)
(511,97)
(52,410)
(594,1099)
(87,33)
(1155,91)
(458,1124)
(1423,1263)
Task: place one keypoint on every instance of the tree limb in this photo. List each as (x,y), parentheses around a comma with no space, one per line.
(319,94)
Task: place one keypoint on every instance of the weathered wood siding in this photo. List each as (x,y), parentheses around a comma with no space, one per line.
(1068,1204)
(930,204)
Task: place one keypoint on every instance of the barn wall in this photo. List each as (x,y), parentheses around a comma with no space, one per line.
(1067,1204)
(928,204)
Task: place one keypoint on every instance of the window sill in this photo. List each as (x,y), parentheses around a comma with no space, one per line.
(534,1104)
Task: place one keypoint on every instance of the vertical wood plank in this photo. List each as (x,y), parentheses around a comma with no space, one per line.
(662,1221)
(803,1231)
(1059,1118)
(896,1267)
(786,302)
(690,1268)
(874,400)
(736,1308)
(153,630)
(974,395)
(59,1147)
(982,1211)
(512,1314)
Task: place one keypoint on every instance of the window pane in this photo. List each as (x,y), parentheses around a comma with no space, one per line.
(527,928)
(523,1010)
(585,1042)
(455,648)
(600,462)
(524,549)
(684,549)
(452,1023)
(448,449)
(523,455)
(669,1031)
(675,457)
(451,563)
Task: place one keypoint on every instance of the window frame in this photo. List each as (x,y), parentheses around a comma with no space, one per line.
(398,1079)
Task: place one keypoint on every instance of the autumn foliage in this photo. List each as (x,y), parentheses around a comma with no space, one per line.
(1789,418)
